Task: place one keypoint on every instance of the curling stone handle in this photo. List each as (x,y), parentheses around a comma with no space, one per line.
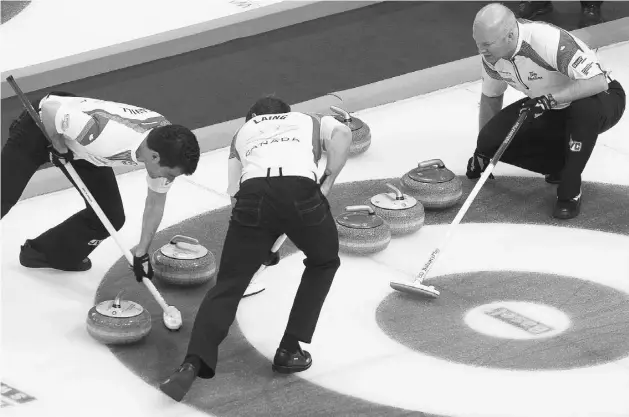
(368,209)
(430,163)
(187,246)
(398,193)
(183,239)
(341,113)
(116,303)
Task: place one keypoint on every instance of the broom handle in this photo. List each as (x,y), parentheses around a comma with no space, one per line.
(80,186)
(470,198)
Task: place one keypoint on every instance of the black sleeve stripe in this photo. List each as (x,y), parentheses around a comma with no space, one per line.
(233,153)
(566,50)
(491,72)
(316,136)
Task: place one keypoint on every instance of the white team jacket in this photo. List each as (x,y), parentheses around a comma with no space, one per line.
(546,60)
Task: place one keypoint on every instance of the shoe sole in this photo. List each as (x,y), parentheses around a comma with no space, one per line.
(565,217)
(289,369)
(41,264)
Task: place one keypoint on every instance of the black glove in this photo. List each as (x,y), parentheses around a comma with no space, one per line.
(273,259)
(60,159)
(539,105)
(142,267)
(476,165)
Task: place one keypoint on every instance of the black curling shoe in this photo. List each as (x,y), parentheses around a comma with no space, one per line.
(567,209)
(179,383)
(286,362)
(32,258)
(553,178)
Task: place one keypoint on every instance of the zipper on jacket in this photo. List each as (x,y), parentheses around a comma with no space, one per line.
(517,74)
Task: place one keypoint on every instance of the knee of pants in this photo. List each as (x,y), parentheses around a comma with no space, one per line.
(333,263)
(25,136)
(586,112)
(116,218)
(487,144)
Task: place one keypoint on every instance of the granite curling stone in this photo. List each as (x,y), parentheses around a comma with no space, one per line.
(184,262)
(433,185)
(361,231)
(118,322)
(403,213)
(361,133)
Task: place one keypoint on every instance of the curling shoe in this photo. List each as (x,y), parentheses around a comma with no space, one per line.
(553,178)
(286,362)
(32,258)
(179,383)
(567,209)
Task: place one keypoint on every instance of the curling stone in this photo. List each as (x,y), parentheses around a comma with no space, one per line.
(118,322)
(361,231)
(361,133)
(403,213)
(184,262)
(433,185)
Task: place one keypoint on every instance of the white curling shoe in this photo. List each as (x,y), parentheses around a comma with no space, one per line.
(255,287)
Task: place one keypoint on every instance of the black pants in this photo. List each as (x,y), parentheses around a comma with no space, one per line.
(558,141)
(71,241)
(265,209)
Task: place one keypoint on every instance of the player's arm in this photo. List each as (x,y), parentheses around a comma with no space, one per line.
(337,139)
(49,111)
(491,99)
(152,218)
(580,64)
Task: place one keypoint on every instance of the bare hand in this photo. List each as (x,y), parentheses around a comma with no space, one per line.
(325,189)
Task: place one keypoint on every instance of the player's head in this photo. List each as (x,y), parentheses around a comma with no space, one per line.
(267,105)
(170,151)
(495,32)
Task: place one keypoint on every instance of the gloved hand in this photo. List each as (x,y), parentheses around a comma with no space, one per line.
(539,105)
(142,267)
(273,259)
(60,159)
(476,165)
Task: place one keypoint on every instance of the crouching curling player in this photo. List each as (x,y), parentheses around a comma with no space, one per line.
(93,136)
(273,161)
(572,99)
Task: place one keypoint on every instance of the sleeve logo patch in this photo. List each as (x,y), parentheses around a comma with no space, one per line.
(577,62)
(587,69)
(584,63)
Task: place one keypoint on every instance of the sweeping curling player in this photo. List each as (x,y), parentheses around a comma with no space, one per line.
(417,287)
(172,316)
(254,286)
